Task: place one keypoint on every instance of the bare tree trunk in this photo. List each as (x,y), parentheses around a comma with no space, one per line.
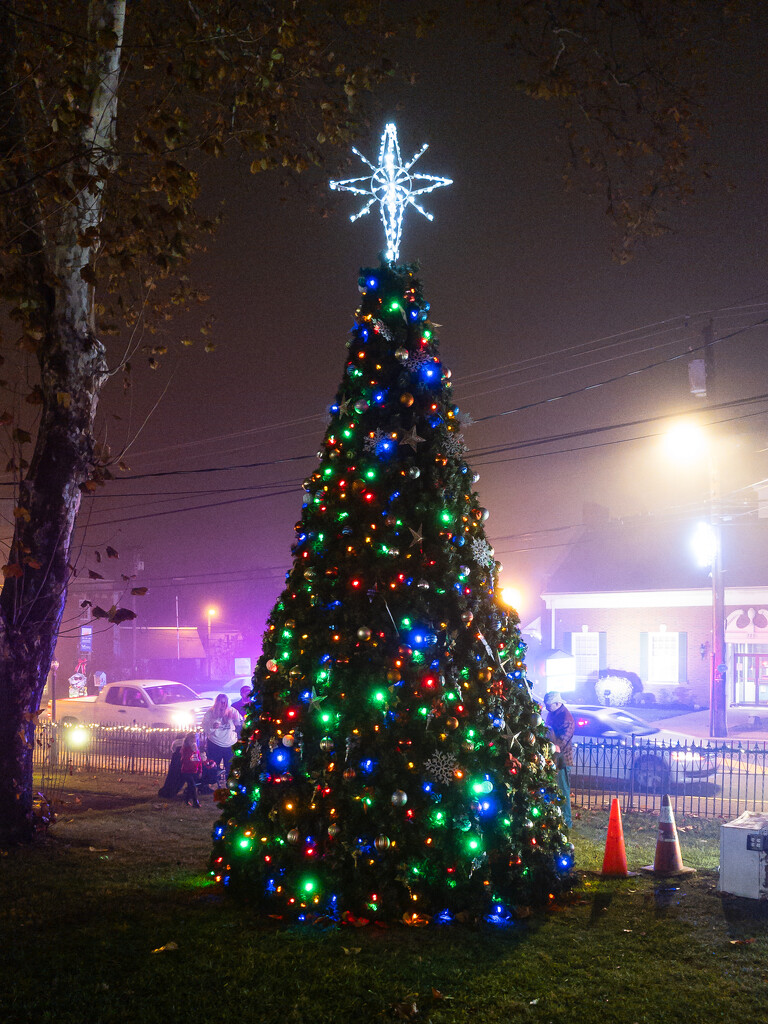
(72,372)
(31,605)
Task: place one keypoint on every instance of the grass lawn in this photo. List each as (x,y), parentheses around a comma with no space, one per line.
(85,913)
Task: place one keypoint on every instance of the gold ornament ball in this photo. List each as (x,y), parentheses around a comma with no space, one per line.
(293,836)
(364,633)
(326,743)
(399,798)
(406,399)
(466,618)
(333,831)
(288,740)
(382,843)
(349,773)
(467,746)
(401,354)
(393,676)
(452,723)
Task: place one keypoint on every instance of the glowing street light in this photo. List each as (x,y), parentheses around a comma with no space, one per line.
(511,597)
(686,441)
(704,545)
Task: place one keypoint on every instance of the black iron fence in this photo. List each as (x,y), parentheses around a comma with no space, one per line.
(705,778)
(131,749)
(702,778)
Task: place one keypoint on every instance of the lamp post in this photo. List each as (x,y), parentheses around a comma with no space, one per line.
(210,612)
(688,440)
(718,725)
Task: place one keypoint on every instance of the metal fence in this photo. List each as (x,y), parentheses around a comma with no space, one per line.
(708,779)
(121,748)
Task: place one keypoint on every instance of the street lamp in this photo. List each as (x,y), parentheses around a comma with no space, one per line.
(686,440)
(511,597)
(211,612)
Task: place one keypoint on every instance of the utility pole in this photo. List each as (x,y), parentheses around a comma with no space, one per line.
(718,701)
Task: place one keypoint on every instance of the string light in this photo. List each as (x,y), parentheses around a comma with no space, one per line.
(391,674)
(391,185)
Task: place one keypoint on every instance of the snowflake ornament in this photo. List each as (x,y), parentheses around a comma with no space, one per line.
(374,439)
(381,328)
(482,552)
(453,445)
(418,359)
(441,767)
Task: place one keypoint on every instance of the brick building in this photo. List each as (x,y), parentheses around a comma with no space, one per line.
(628,596)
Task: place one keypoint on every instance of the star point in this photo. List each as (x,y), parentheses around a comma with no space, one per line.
(410,437)
(418,535)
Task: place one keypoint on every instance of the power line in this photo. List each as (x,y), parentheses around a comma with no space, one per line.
(631,335)
(620,376)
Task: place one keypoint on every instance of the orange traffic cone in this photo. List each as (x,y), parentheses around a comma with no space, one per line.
(668,860)
(615,859)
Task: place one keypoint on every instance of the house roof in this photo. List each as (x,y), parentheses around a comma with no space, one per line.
(651,554)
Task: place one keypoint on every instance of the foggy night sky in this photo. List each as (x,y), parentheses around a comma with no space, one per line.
(516,270)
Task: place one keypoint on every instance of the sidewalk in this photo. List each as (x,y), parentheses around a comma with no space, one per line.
(741,724)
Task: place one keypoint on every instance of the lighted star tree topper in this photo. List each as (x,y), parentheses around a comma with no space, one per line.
(392,185)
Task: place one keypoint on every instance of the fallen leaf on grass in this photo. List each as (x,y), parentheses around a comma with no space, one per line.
(166,948)
(416,920)
(627,930)
(741,942)
(99,849)
(406,1011)
(357,922)
(351,951)
(532,1002)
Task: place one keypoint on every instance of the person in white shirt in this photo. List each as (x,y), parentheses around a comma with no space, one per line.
(221,725)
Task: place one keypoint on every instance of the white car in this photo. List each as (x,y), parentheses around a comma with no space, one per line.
(231,688)
(613,743)
(143,702)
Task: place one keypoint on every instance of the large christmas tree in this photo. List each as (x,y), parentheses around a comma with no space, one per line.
(393,761)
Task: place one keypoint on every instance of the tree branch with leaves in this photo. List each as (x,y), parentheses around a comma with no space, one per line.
(108,113)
